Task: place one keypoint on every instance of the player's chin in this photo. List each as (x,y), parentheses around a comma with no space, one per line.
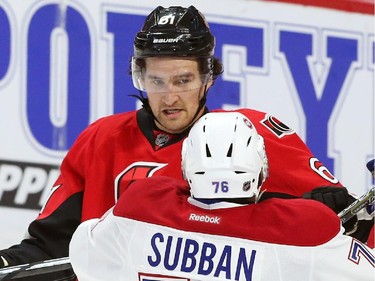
(175,126)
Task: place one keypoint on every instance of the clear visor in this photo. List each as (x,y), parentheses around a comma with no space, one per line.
(157,81)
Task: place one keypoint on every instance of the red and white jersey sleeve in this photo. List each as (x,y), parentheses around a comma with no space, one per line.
(153,233)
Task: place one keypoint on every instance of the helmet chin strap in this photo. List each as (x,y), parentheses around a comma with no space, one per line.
(147,107)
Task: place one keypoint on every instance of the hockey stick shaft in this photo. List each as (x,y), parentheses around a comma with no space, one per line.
(362,202)
(37,268)
(365,200)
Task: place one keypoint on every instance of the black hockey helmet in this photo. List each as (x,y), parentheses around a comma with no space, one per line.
(174,31)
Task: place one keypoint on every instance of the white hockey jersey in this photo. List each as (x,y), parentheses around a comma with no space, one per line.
(155,233)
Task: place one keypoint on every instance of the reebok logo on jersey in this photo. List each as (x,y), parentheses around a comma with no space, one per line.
(205,218)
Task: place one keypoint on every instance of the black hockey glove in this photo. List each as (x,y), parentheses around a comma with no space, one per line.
(336,198)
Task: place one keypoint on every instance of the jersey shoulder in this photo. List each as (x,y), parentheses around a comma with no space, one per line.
(115,121)
(148,199)
(252,114)
(299,222)
(267,125)
(107,128)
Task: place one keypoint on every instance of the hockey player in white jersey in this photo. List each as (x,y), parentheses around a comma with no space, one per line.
(216,226)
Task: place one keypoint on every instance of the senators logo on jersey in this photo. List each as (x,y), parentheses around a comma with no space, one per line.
(276,127)
(137,170)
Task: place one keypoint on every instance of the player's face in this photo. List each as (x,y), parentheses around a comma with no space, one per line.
(174,87)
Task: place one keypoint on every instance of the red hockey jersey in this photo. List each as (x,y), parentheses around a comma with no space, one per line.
(121,148)
(116,150)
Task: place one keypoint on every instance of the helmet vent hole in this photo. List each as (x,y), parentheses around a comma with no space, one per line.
(248,141)
(208,153)
(229,153)
(200,173)
(239,172)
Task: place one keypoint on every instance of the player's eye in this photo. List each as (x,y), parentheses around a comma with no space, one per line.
(157,82)
(182,81)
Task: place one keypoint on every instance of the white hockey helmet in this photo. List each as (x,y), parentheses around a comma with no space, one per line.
(224,157)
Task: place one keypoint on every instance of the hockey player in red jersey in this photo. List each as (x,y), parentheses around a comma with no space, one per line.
(174,65)
(220,229)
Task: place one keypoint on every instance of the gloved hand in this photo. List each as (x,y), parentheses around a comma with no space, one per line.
(336,198)
(367,213)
